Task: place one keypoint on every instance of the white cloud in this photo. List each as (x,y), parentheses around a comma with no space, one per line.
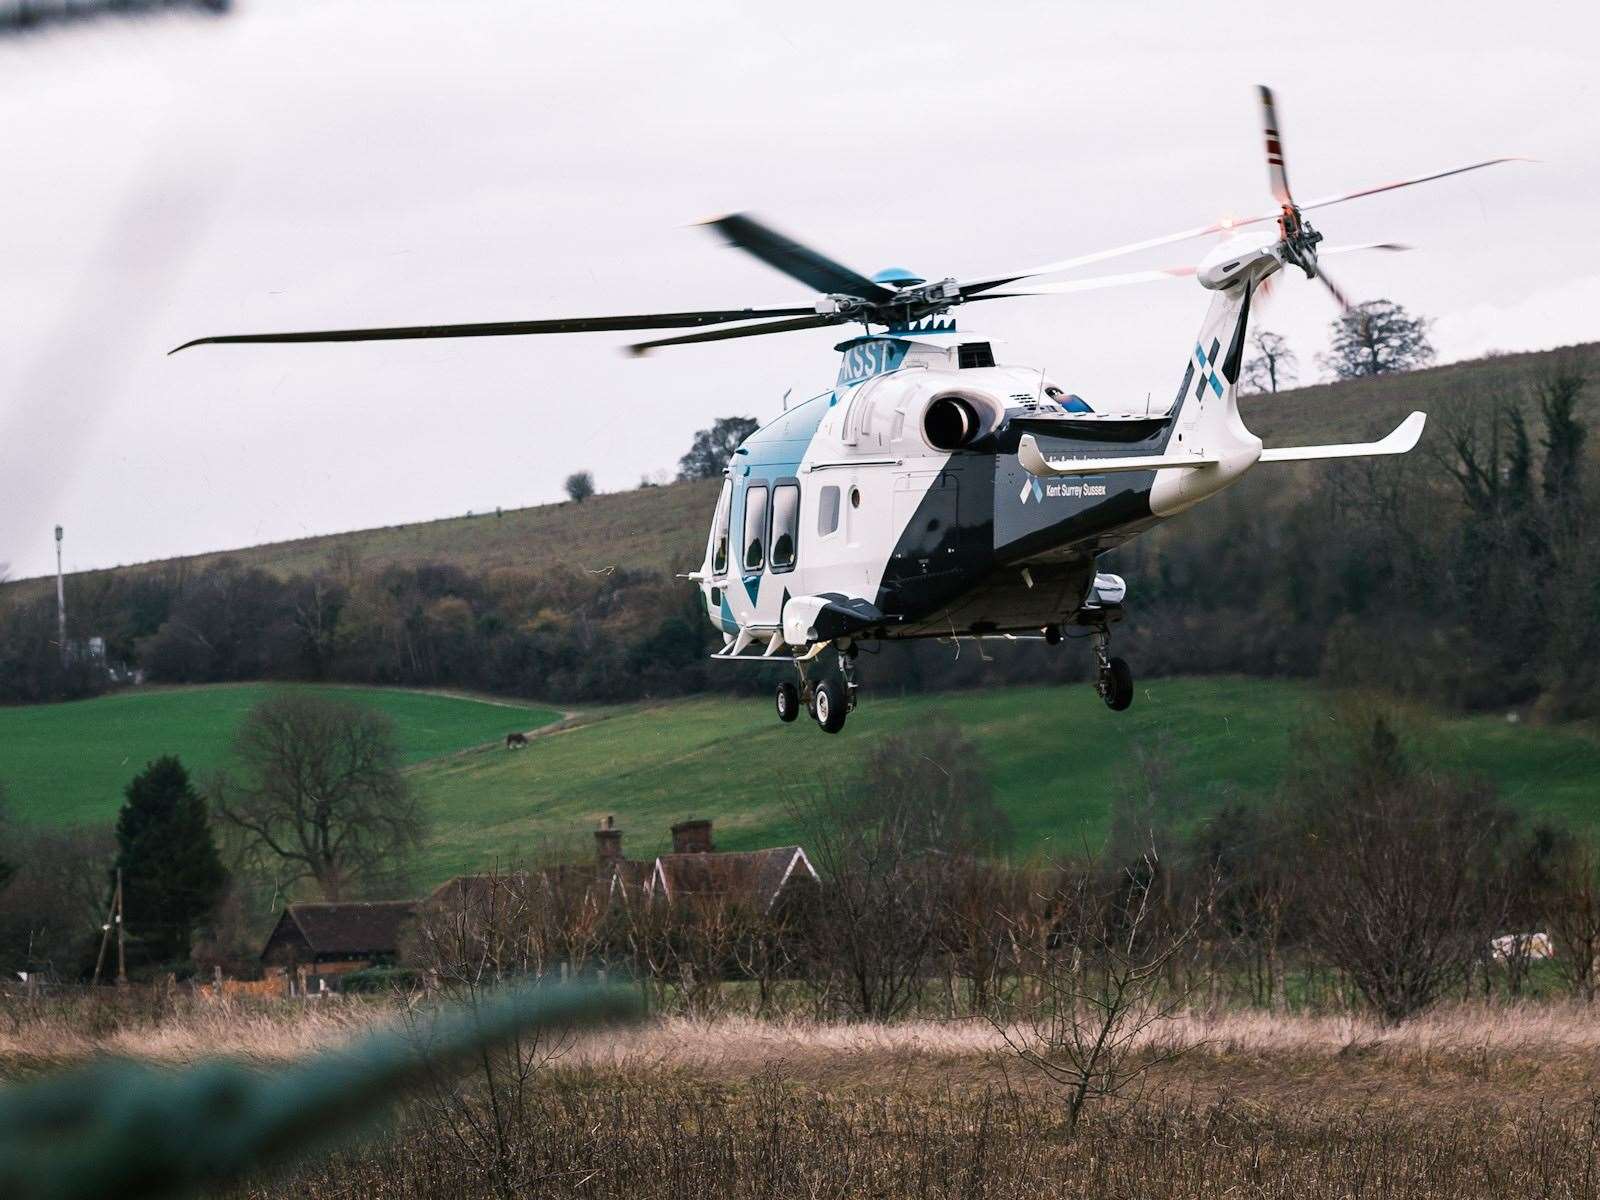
(1560,315)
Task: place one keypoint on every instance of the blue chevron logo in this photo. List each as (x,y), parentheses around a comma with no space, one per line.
(1208,369)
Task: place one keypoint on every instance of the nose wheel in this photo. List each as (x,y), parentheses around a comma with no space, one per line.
(1113,677)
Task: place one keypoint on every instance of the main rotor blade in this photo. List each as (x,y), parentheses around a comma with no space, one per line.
(1083,260)
(1159,275)
(1226,225)
(1277,170)
(814,321)
(1091,285)
(1340,198)
(815,270)
(679,320)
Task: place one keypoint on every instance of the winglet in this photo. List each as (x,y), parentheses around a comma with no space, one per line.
(1404,438)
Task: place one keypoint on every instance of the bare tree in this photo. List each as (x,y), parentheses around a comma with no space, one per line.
(322,796)
(579,486)
(1274,364)
(891,847)
(487,929)
(1094,991)
(52,906)
(878,911)
(1240,853)
(1377,338)
(1404,872)
(1573,918)
(987,908)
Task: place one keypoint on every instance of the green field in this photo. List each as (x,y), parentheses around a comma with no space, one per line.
(1057,759)
(66,763)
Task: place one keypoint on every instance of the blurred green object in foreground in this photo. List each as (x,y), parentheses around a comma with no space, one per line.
(123,1129)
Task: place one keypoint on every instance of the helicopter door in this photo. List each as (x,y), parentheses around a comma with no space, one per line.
(925,512)
(926,533)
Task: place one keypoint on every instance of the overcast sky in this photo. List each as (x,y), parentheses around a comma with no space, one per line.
(324,163)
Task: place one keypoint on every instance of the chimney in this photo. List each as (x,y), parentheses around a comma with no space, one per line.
(692,837)
(607,846)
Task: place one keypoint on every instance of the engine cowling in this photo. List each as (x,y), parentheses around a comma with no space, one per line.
(950,423)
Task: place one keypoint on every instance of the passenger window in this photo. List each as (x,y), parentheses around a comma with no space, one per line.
(785,525)
(755,527)
(827,511)
(719,535)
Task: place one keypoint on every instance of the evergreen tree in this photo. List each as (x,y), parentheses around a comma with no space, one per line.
(172,875)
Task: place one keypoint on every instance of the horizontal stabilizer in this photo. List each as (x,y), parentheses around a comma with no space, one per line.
(1035,463)
(1401,440)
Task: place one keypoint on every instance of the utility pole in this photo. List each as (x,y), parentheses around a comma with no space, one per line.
(113,921)
(61,602)
(122,961)
(105,936)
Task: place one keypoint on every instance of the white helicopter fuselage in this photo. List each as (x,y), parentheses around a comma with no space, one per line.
(932,493)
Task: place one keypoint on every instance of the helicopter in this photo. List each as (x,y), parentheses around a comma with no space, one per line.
(935,493)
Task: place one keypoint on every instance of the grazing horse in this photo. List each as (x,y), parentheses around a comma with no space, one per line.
(516,741)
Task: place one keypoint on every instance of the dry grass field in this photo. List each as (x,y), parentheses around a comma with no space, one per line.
(1467,1101)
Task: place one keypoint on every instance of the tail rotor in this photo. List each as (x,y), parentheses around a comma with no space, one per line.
(1298,240)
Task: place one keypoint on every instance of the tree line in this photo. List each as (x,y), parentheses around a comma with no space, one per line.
(1465,574)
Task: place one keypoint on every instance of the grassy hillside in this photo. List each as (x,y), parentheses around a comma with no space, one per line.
(65,763)
(1058,758)
(657,528)
(664,528)
(1363,409)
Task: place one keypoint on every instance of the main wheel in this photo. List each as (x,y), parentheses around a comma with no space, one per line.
(1118,685)
(829,706)
(788,700)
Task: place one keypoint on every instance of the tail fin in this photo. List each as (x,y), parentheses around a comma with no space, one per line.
(1205,414)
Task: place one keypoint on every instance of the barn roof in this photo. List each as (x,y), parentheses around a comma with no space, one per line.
(355,928)
(758,875)
(477,889)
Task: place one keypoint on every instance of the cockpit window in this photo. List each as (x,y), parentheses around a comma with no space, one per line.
(755,527)
(719,531)
(1071,403)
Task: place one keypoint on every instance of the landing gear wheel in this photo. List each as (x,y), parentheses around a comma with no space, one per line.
(829,706)
(1116,684)
(788,700)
